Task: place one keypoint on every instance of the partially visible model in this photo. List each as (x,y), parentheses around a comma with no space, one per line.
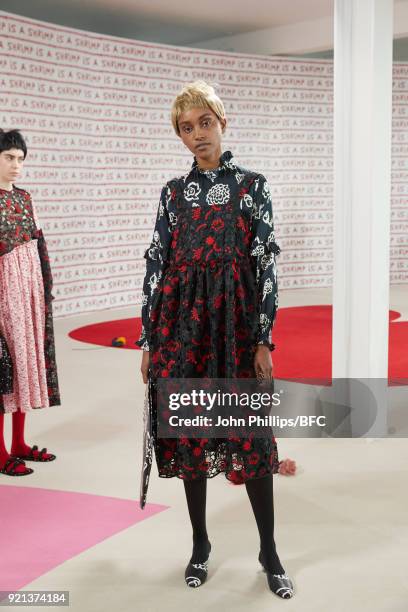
(28,373)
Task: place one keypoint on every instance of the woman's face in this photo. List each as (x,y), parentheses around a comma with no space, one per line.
(201,131)
(11,164)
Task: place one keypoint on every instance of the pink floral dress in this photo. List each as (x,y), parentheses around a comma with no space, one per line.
(25,308)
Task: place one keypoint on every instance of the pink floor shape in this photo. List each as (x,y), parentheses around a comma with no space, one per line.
(42,528)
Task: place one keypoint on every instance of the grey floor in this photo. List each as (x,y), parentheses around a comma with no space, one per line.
(341,522)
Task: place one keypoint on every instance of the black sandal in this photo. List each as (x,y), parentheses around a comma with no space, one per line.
(9,468)
(280,584)
(38,457)
(196,573)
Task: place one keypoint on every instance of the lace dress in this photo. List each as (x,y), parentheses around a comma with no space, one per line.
(210,295)
(28,375)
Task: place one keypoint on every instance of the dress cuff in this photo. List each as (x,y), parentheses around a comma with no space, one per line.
(143,344)
(270,345)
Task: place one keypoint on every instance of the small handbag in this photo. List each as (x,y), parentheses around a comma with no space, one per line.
(147,457)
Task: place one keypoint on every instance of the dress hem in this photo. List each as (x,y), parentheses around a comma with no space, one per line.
(208,476)
(31,409)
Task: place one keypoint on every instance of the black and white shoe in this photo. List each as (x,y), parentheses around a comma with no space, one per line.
(280,584)
(196,573)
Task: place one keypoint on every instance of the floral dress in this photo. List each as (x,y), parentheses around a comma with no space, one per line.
(210,296)
(28,372)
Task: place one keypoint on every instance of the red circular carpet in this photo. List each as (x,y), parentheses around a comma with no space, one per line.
(303,337)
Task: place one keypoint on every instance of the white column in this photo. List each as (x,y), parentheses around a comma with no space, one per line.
(363,33)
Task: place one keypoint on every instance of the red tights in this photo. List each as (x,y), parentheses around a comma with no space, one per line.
(18,444)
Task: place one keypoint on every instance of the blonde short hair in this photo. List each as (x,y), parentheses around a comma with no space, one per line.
(196,95)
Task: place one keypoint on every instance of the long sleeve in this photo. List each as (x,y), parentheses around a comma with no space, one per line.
(156,255)
(265,249)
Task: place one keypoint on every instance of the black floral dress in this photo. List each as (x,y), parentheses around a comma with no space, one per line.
(210,295)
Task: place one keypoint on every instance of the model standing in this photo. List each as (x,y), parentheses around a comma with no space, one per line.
(210,300)
(28,374)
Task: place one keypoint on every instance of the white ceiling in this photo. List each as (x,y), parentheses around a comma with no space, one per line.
(181,22)
(235,15)
(171,21)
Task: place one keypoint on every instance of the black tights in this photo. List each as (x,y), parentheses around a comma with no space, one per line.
(260,493)
(196,495)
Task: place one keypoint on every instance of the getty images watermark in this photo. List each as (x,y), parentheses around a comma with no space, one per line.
(221,408)
(226,405)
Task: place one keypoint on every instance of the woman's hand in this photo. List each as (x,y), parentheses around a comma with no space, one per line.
(263,363)
(144,368)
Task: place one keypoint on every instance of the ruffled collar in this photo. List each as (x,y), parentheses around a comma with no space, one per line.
(224,163)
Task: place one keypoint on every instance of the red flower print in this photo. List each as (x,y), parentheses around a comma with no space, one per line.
(254,459)
(197,253)
(217,224)
(168,454)
(235,477)
(185,441)
(173,346)
(218,300)
(165,331)
(196,213)
(246,446)
(191,357)
(165,373)
(197,451)
(194,314)
(210,240)
(167,289)
(190,468)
